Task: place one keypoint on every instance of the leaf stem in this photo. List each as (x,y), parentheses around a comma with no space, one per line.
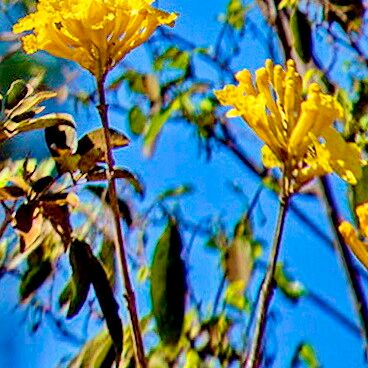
(119,241)
(267,289)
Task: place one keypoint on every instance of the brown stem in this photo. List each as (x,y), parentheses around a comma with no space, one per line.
(347,261)
(119,241)
(267,289)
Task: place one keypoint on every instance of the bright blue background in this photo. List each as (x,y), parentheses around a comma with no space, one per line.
(177,161)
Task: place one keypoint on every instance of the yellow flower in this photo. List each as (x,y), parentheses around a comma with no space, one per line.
(298,132)
(351,238)
(97,34)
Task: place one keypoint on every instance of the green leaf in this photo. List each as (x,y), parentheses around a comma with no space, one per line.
(108,304)
(305,353)
(104,196)
(17,92)
(67,294)
(175,192)
(155,127)
(30,103)
(235,14)
(359,192)
(174,58)
(18,66)
(34,278)
(234,295)
(302,35)
(291,289)
(137,120)
(107,257)
(135,81)
(168,285)
(96,353)
(79,257)
(89,270)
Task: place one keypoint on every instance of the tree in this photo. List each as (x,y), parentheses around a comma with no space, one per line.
(81,232)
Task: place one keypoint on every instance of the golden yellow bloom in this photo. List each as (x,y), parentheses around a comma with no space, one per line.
(298,132)
(358,247)
(97,34)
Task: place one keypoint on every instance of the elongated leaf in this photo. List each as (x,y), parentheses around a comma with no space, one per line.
(28,223)
(96,353)
(137,120)
(96,140)
(290,288)
(100,174)
(124,208)
(108,304)
(59,216)
(168,285)
(89,270)
(305,353)
(359,192)
(43,183)
(11,192)
(155,127)
(33,278)
(177,191)
(79,258)
(239,261)
(302,35)
(235,14)
(107,257)
(30,103)
(17,91)
(45,121)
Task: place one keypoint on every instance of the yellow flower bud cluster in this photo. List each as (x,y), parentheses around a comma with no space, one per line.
(97,34)
(297,131)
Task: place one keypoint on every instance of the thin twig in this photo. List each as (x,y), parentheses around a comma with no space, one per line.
(119,243)
(267,288)
(347,261)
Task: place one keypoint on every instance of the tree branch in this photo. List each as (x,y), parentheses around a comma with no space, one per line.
(119,242)
(267,289)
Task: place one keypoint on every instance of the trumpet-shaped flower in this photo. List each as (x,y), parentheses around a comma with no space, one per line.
(297,131)
(350,235)
(97,34)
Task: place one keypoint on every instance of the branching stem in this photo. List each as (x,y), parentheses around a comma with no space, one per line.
(119,240)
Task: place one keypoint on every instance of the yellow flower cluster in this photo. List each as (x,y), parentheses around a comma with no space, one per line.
(97,34)
(297,131)
(359,248)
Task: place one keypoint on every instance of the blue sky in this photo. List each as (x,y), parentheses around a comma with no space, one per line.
(177,161)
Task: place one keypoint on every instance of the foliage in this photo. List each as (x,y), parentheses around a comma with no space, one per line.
(61,217)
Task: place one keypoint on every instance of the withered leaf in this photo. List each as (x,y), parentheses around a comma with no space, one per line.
(11,193)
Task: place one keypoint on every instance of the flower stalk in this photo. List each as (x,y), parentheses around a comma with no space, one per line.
(119,240)
(267,287)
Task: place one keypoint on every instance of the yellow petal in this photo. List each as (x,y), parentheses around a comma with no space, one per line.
(269,159)
(362,213)
(359,248)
